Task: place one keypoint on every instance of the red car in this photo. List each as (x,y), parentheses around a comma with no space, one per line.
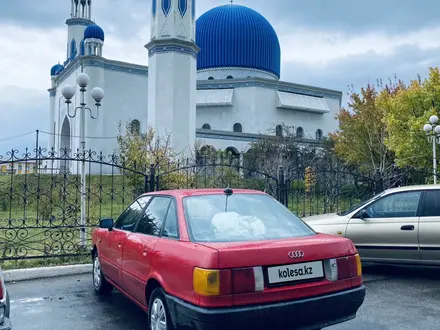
(226,259)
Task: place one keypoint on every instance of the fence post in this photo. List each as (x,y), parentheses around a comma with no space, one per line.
(281,186)
(152,177)
(146,183)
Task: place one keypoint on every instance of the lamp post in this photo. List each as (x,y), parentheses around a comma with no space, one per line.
(432,130)
(97,93)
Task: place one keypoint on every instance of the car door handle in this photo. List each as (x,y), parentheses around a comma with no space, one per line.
(407,227)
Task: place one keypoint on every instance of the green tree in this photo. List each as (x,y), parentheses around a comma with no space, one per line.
(407,111)
(362,134)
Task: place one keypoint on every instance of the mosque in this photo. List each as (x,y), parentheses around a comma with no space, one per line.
(212,81)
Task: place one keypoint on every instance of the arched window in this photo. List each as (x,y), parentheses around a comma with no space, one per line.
(318,134)
(82,48)
(72,49)
(300,133)
(238,128)
(211,78)
(135,127)
(229,77)
(279,130)
(206,126)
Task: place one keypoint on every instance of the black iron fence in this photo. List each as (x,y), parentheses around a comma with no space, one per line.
(40,193)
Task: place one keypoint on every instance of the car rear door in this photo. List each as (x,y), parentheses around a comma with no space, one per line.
(429,226)
(113,241)
(139,248)
(390,231)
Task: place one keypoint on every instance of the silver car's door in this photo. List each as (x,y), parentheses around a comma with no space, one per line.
(388,229)
(429,226)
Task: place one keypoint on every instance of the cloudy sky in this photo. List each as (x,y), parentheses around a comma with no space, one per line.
(327,43)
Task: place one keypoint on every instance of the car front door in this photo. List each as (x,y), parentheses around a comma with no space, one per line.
(113,242)
(139,248)
(429,226)
(388,229)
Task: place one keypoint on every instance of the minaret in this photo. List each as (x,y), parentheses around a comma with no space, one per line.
(80,18)
(172,73)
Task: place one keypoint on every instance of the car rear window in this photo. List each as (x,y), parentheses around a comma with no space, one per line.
(240,217)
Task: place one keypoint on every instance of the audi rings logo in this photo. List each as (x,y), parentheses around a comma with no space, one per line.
(296,254)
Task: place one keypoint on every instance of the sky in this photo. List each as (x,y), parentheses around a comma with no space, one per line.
(325,43)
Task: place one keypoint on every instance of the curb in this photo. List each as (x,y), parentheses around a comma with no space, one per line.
(26,274)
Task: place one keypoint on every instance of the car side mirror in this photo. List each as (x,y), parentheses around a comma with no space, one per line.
(363,214)
(106,223)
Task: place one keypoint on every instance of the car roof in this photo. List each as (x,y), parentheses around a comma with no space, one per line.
(413,187)
(202,191)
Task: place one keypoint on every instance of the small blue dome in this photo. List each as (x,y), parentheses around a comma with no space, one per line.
(56,69)
(94,31)
(237,36)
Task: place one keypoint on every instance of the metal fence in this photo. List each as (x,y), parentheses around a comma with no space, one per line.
(40,192)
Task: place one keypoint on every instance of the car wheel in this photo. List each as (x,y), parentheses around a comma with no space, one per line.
(158,314)
(100,284)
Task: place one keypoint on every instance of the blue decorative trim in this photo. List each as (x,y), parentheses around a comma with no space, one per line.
(193,9)
(82,48)
(154,7)
(204,85)
(160,49)
(183,7)
(78,21)
(166,6)
(73,50)
(52,93)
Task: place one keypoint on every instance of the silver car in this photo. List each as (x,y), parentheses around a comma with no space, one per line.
(400,225)
(5,323)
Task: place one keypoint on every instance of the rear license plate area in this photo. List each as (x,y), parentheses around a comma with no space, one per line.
(294,273)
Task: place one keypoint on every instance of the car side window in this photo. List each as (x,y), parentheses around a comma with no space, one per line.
(127,220)
(398,205)
(431,204)
(152,219)
(171,228)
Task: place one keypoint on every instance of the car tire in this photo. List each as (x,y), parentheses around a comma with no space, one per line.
(158,311)
(100,284)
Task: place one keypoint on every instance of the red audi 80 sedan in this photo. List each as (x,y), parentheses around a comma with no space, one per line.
(226,259)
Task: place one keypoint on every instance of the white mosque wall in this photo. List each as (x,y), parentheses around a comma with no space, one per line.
(255,108)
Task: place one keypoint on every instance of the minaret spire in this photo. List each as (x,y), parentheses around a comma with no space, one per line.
(172,73)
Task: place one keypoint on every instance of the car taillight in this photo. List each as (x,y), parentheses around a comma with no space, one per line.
(214,282)
(343,268)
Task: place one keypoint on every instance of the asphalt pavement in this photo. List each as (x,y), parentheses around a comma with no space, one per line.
(398,298)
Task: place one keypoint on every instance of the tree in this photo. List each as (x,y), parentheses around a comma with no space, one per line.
(361,137)
(139,152)
(407,112)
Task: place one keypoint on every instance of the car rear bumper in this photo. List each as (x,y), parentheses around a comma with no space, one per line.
(311,313)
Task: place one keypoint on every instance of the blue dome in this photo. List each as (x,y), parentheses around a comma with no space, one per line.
(94,31)
(56,69)
(237,36)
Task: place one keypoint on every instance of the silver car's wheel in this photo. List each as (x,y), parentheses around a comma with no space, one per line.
(100,284)
(158,315)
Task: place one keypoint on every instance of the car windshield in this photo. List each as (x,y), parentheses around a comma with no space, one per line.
(344,213)
(240,217)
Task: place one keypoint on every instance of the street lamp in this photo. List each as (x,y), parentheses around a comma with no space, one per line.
(432,130)
(97,94)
